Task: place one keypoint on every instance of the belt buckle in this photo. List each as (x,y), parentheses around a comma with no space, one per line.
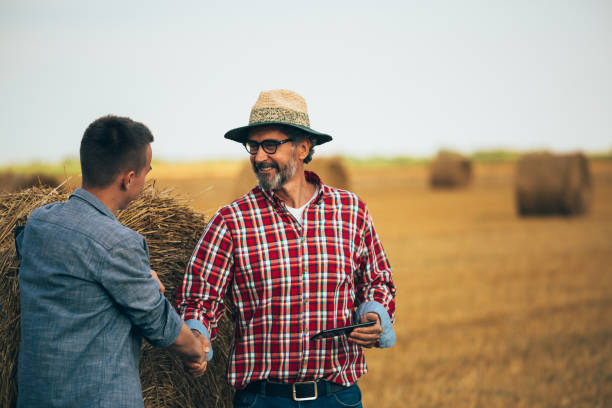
(314,385)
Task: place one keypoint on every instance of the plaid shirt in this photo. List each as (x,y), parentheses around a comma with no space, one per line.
(288,281)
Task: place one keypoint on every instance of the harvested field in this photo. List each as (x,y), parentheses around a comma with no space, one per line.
(494,310)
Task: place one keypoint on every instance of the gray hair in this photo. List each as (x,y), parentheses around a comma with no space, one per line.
(298,137)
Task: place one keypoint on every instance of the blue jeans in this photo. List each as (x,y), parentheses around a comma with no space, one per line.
(350,397)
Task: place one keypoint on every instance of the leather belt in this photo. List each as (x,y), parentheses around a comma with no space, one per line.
(299,391)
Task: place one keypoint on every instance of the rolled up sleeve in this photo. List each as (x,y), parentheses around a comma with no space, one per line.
(375,281)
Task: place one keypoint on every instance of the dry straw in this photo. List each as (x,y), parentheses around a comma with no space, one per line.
(331,170)
(172,230)
(553,184)
(450,170)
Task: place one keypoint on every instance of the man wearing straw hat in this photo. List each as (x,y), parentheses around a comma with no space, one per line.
(88,295)
(297,257)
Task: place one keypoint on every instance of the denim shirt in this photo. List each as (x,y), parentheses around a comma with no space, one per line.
(87,299)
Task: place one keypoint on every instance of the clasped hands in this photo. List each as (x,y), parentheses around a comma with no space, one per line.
(197,368)
(194,367)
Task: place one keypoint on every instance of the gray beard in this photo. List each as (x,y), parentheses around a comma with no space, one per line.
(283,174)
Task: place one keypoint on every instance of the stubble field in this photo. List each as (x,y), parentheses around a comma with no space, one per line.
(493,310)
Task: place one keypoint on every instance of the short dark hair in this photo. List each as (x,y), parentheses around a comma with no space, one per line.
(111,145)
(298,137)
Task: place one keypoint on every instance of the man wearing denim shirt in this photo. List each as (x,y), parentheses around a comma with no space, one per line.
(88,295)
(297,257)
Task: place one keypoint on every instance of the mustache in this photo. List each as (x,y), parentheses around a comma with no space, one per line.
(264,165)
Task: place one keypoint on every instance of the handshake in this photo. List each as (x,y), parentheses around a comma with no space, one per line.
(193,348)
(196,367)
(191,345)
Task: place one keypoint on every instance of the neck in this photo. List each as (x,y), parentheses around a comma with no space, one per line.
(296,191)
(108,196)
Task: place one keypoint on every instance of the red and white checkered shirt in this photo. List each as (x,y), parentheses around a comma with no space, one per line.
(288,281)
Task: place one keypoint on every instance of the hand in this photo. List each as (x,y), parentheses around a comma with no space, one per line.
(367,336)
(197,368)
(162,288)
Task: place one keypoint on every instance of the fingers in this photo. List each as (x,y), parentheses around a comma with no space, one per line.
(195,369)
(162,288)
(366,339)
(203,341)
(367,336)
(368,317)
(205,344)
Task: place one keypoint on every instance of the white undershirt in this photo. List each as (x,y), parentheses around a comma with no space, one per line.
(298,213)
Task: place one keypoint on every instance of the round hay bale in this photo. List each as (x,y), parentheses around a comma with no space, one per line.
(172,230)
(11,182)
(553,184)
(331,170)
(35,180)
(450,170)
(6,181)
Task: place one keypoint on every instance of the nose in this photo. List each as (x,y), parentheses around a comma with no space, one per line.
(261,155)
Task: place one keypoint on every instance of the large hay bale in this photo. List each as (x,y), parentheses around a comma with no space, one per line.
(450,170)
(332,171)
(6,181)
(172,230)
(11,182)
(553,184)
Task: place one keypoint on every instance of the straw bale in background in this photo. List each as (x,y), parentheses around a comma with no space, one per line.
(332,171)
(553,184)
(172,230)
(10,182)
(450,170)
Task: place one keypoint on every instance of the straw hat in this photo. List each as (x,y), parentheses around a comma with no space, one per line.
(278,107)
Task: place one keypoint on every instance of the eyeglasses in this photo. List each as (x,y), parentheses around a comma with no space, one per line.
(269,146)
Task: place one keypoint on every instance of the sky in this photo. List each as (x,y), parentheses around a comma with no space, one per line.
(385,78)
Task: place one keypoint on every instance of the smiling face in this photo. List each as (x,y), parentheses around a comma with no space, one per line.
(273,170)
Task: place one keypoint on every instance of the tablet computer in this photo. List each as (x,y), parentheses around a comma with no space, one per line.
(339,331)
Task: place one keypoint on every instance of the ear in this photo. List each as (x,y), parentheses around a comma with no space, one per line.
(303,149)
(126,179)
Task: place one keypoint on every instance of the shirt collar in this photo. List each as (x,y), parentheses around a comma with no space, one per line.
(93,201)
